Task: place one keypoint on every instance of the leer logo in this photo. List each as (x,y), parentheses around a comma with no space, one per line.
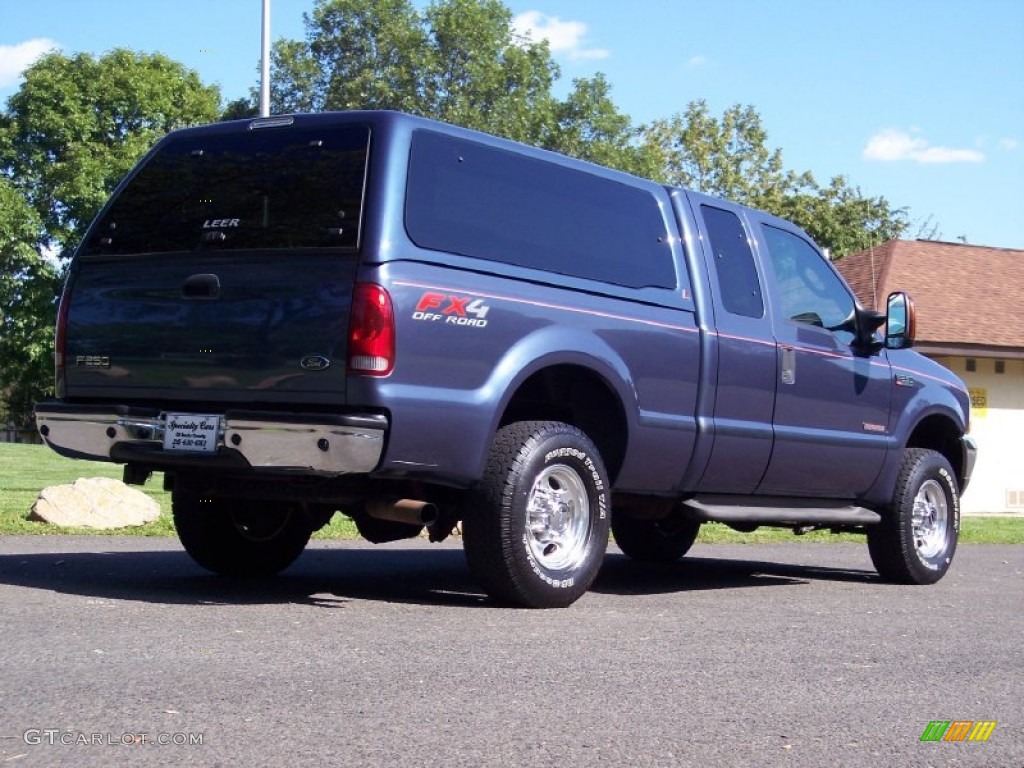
(958,730)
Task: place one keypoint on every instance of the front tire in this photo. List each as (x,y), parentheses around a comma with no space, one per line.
(240,538)
(916,540)
(536,526)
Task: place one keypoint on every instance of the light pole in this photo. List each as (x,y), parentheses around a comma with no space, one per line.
(265,62)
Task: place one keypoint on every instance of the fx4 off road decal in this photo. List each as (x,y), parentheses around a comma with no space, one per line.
(451,310)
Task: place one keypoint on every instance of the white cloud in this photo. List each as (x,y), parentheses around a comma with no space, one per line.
(892,145)
(1008,144)
(15,59)
(565,38)
(697,61)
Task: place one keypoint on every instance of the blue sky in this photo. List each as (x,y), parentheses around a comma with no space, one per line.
(921,101)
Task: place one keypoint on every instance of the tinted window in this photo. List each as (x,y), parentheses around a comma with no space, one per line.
(474,200)
(272,188)
(809,291)
(734,263)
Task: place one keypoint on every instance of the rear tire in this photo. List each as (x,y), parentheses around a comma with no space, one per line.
(916,540)
(240,538)
(654,541)
(536,527)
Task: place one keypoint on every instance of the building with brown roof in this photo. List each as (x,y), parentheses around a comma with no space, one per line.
(969,302)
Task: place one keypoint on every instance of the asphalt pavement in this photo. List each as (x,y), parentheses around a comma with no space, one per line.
(120,651)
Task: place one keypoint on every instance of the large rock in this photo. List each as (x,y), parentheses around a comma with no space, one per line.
(94,502)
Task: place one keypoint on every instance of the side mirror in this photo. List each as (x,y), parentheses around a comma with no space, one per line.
(900,321)
(863,324)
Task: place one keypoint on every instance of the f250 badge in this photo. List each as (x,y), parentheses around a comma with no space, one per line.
(451,310)
(92,361)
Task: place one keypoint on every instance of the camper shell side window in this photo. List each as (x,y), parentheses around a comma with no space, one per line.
(485,202)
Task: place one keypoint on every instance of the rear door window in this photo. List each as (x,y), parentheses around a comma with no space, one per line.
(270,188)
(738,284)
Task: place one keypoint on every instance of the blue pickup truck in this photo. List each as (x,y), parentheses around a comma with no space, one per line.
(419,326)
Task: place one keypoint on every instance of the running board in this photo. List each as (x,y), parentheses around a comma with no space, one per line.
(777,511)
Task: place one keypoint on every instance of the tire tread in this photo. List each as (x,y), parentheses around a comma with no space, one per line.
(209,537)
(892,551)
(488,537)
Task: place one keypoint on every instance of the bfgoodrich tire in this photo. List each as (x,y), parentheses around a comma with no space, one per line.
(240,538)
(535,529)
(916,540)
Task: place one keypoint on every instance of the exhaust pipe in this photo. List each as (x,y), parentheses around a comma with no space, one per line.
(408,511)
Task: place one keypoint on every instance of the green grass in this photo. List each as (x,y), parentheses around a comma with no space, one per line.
(973,530)
(992,530)
(27,469)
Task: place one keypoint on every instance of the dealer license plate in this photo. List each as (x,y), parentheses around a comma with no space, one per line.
(195,433)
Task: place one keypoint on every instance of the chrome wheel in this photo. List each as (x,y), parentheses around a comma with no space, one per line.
(535,527)
(917,537)
(558,518)
(930,519)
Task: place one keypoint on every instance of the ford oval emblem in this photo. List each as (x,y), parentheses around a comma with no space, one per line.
(315,363)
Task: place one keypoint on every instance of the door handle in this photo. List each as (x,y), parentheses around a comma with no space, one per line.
(788,365)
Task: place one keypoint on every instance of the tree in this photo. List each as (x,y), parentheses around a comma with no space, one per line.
(589,126)
(240,109)
(78,124)
(458,61)
(73,129)
(729,158)
(28,285)
(358,54)
(725,158)
(839,217)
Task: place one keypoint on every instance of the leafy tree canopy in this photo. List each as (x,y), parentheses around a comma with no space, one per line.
(458,61)
(729,157)
(28,283)
(69,134)
(79,123)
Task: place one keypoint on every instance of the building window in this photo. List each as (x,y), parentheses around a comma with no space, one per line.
(1000,366)
(972,365)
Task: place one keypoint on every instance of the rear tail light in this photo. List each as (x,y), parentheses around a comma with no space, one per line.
(60,339)
(371,334)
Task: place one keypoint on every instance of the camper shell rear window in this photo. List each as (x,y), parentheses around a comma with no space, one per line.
(471,199)
(266,188)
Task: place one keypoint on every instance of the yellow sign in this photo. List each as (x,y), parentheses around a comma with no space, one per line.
(979,402)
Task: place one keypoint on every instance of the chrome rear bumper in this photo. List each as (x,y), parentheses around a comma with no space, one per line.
(313,443)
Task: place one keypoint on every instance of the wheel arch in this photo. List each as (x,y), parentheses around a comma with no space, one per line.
(934,426)
(574,393)
(938,432)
